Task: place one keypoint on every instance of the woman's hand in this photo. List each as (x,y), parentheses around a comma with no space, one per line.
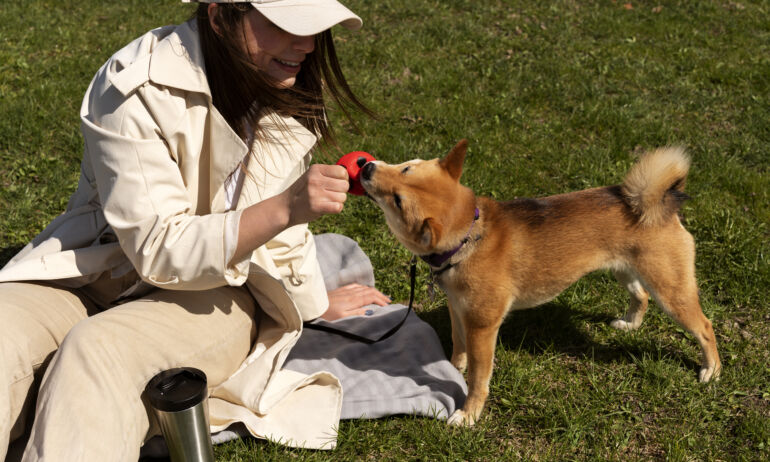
(321,190)
(351,299)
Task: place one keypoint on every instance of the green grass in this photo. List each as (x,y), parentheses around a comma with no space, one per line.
(554,97)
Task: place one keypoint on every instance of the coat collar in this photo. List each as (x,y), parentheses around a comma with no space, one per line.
(177,61)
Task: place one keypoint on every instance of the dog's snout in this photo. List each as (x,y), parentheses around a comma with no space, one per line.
(368,170)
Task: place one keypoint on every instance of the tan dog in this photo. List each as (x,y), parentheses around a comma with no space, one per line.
(492,257)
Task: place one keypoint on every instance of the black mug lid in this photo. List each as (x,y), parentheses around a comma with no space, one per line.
(177,389)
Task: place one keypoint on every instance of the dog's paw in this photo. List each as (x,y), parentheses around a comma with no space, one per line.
(708,374)
(460,362)
(622,324)
(460,419)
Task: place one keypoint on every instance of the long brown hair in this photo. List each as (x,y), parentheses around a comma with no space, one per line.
(242,93)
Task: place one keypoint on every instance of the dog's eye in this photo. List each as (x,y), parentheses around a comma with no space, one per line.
(397,200)
(405,169)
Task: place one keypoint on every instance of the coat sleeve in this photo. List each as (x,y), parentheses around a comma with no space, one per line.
(145,199)
(293,252)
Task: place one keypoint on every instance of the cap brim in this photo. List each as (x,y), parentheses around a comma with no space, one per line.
(308,17)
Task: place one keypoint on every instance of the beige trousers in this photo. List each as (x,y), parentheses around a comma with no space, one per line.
(82,370)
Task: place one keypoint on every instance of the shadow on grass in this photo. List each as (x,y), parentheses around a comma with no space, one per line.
(557,327)
(8,253)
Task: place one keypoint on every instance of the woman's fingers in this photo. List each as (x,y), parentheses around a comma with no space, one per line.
(321,190)
(328,178)
(351,300)
(357,294)
(326,189)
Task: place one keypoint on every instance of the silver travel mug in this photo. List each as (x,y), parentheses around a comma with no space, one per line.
(179,398)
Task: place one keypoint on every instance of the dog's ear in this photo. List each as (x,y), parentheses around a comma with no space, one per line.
(453,162)
(430,232)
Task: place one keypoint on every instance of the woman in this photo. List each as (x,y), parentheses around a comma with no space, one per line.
(186,242)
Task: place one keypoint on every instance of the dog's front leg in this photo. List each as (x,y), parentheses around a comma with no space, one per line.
(459,356)
(481,353)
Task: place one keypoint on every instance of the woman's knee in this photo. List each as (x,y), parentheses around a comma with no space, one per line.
(30,332)
(38,317)
(90,344)
(34,318)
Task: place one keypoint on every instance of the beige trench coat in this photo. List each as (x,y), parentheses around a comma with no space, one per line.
(151,199)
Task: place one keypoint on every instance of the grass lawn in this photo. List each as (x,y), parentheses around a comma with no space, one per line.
(554,97)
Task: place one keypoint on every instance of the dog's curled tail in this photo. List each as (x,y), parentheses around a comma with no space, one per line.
(654,187)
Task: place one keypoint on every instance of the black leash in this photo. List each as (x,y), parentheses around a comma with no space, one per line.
(359,338)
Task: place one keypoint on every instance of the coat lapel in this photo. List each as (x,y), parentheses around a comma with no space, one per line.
(226,152)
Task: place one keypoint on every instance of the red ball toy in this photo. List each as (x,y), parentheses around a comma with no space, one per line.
(353,163)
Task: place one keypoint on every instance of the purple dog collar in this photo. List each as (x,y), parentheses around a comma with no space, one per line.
(436,260)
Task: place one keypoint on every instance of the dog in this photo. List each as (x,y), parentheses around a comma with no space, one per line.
(492,257)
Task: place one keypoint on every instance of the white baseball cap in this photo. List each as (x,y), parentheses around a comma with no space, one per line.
(302,17)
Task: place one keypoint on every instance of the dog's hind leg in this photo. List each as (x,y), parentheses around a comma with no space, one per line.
(683,306)
(639,299)
(669,275)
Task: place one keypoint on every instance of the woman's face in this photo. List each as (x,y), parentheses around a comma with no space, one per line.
(275,51)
